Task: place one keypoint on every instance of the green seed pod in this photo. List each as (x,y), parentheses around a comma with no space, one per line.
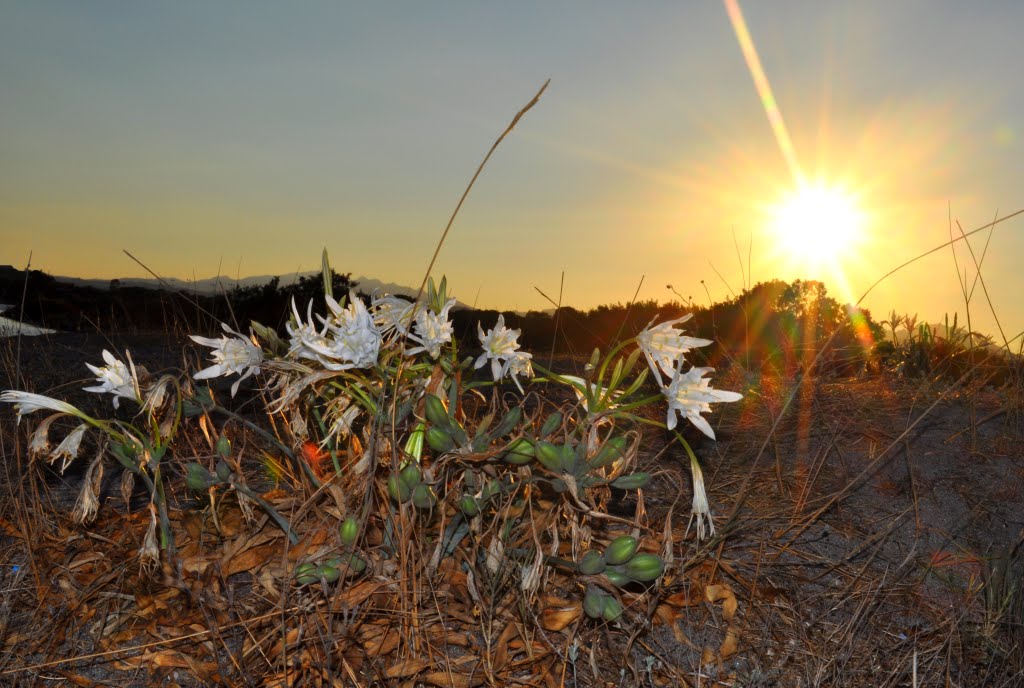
(349,531)
(519,452)
(593,602)
(469,505)
(644,567)
(352,564)
(198,478)
(439,439)
(436,413)
(612,609)
(223,471)
(550,456)
(553,422)
(616,576)
(592,563)
(305,573)
(399,491)
(223,447)
(508,423)
(423,497)
(632,481)
(458,432)
(411,475)
(609,453)
(328,573)
(621,549)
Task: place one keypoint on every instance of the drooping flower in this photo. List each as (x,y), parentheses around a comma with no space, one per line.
(664,345)
(431,330)
(578,384)
(689,394)
(520,363)
(27,402)
(500,344)
(116,378)
(235,355)
(392,314)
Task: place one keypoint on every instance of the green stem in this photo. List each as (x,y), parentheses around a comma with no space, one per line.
(306,468)
(278,518)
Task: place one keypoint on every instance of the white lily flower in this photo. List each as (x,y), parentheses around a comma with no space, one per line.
(348,339)
(664,345)
(500,344)
(392,314)
(27,402)
(68,448)
(431,330)
(305,335)
(689,394)
(236,355)
(701,508)
(356,341)
(115,378)
(520,363)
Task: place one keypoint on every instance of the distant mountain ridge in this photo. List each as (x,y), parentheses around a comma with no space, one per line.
(217,285)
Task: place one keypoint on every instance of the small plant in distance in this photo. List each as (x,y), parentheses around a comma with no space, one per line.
(373,398)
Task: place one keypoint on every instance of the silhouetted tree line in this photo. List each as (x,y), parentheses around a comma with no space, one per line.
(775,326)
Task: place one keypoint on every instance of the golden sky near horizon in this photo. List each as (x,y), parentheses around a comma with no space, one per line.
(241,138)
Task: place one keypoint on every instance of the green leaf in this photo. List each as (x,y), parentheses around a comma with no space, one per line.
(328,279)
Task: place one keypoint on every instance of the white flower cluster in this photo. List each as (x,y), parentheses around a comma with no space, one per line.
(688,394)
(501,347)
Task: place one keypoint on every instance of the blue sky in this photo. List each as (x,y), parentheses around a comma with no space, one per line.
(244,137)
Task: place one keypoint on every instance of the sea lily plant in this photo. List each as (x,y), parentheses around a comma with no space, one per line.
(369,397)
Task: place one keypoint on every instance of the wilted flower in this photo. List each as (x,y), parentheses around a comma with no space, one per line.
(115,378)
(664,345)
(236,355)
(88,503)
(701,508)
(27,402)
(149,553)
(392,314)
(343,421)
(689,394)
(499,343)
(39,443)
(68,448)
(431,330)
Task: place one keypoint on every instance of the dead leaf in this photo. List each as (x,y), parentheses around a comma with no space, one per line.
(409,667)
(557,617)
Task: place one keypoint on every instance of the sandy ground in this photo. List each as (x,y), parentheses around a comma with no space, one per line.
(859,538)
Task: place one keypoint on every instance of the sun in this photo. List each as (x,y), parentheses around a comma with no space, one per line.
(816,224)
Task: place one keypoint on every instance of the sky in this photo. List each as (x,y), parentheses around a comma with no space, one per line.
(242,138)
